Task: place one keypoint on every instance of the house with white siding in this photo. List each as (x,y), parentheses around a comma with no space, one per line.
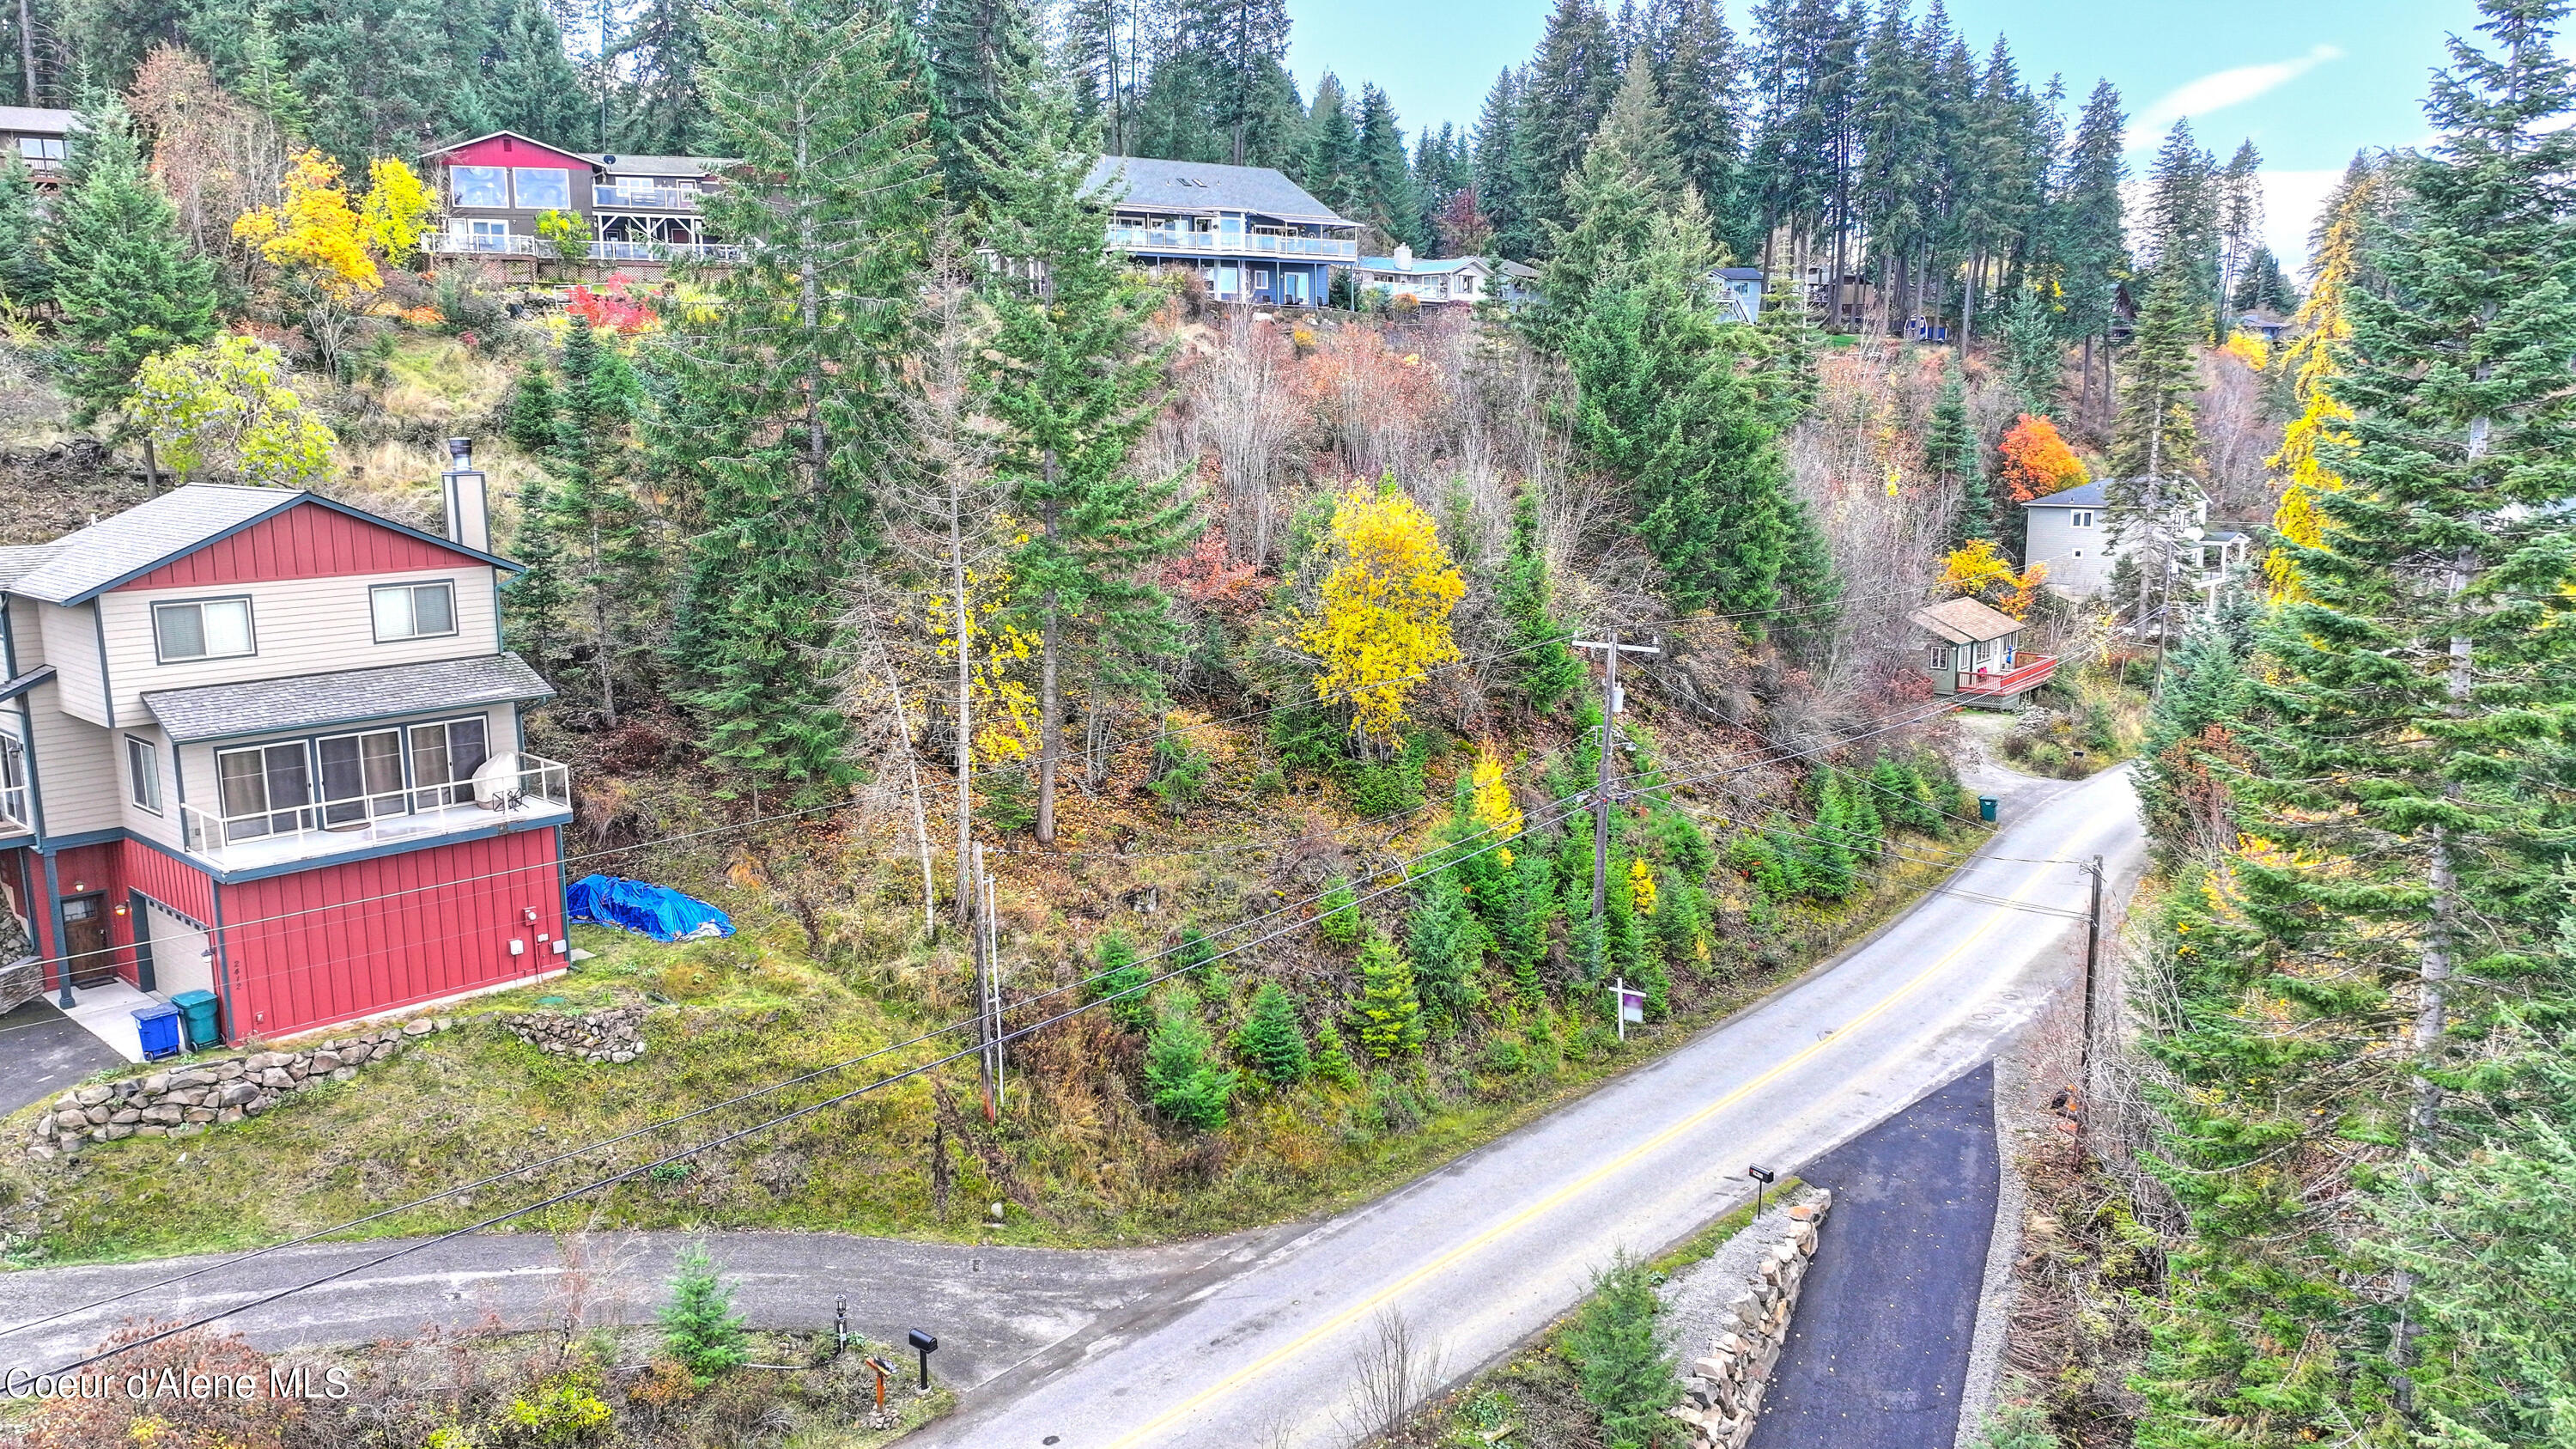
(258,742)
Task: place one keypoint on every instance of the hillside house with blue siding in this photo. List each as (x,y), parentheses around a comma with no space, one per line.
(1251,233)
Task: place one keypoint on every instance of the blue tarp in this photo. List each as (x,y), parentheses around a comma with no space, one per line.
(647,910)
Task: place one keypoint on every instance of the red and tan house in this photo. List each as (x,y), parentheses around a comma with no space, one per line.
(257,742)
(633,212)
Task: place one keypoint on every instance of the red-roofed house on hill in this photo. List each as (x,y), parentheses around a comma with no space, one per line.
(264,744)
(631,213)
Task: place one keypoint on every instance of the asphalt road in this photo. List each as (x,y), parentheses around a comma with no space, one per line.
(1250,1340)
(1878,1353)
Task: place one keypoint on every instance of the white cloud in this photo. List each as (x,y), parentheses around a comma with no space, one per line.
(2291,202)
(2219,90)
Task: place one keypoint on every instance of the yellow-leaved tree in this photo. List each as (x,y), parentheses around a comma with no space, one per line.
(1386,604)
(226,405)
(1641,886)
(1982,572)
(1005,710)
(397,210)
(2322,328)
(1489,799)
(314,228)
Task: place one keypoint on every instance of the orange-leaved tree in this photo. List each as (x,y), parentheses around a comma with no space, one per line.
(2036,460)
(1980,571)
(1386,604)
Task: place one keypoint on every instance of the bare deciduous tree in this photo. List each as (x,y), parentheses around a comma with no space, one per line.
(1393,1370)
(1239,400)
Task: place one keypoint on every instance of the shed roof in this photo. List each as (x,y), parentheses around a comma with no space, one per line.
(658,165)
(89,561)
(1205,186)
(314,701)
(38,120)
(1965,621)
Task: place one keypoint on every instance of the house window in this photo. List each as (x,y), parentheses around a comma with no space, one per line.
(1940,656)
(489,235)
(542,188)
(362,777)
(209,629)
(143,774)
(13,781)
(35,150)
(2080,518)
(478,185)
(263,790)
(412,611)
(444,758)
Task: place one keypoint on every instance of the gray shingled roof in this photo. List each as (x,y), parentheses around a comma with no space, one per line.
(1204,186)
(41,120)
(315,701)
(91,558)
(2089,495)
(16,563)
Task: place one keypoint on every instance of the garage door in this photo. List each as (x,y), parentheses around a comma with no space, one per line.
(181,960)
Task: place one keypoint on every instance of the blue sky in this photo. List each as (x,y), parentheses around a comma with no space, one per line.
(2308,80)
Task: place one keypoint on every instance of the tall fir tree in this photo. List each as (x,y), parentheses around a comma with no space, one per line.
(1383,179)
(124,278)
(526,84)
(1543,663)
(1501,170)
(662,108)
(782,415)
(1695,76)
(1564,93)
(1329,148)
(1957,461)
(982,54)
(2085,229)
(1247,45)
(1074,383)
(24,280)
(2155,455)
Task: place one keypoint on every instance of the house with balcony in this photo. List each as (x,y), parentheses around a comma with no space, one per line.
(1972,653)
(261,743)
(1252,234)
(629,212)
(41,138)
(2073,532)
(1430,282)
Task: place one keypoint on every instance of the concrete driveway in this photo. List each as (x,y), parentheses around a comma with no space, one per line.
(43,1051)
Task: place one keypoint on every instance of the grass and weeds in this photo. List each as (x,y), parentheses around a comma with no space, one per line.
(2085,722)
(832,979)
(1564,1388)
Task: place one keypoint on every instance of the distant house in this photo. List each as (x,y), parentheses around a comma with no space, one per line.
(1739,292)
(1252,234)
(263,744)
(2071,533)
(2265,323)
(1446,281)
(632,211)
(1972,650)
(41,137)
(1517,281)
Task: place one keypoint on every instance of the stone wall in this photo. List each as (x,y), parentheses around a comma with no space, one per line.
(1725,1385)
(606,1036)
(188,1100)
(20,981)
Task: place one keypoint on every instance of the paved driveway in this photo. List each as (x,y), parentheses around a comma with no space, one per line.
(43,1051)
(1879,1351)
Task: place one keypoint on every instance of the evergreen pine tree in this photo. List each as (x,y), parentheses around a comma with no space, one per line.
(1957,461)
(2265,286)
(982,57)
(784,411)
(1619,1359)
(1333,1062)
(529,420)
(1695,76)
(591,510)
(1547,671)
(700,1328)
(1383,180)
(1247,46)
(1270,1040)
(126,282)
(1122,981)
(1445,944)
(1390,1011)
(1074,383)
(526,84)
(1328,156)
(1520,935)
(23,278)
(536,603)
(2155,455)
(1181,1074)
(1563,95)
(1337,915)
(2084,215)
(662,110)
(1500,169)
(1194,954)
(2179,228)
(2034,353)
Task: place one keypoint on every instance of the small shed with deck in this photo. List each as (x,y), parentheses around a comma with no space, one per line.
(1972,649)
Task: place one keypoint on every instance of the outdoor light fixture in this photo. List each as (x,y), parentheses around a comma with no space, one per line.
(1761,1177)
(928,1344)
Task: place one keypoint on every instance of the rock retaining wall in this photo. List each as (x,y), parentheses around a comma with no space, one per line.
(189,1099)
(1725,1386)
(607,1036)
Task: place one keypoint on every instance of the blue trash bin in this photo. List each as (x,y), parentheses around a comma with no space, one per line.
(1986,808)
(158,1026)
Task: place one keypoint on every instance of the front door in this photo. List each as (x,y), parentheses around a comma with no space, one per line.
(85,944)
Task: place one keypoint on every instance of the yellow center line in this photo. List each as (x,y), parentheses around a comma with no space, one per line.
(1552,1201)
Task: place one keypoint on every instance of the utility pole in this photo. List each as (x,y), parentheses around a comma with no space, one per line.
(1611,705)
(2092,949)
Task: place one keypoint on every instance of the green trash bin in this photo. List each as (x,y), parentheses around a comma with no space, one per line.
(199,1008)
(1986,808)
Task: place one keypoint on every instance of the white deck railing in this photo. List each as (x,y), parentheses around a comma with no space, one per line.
(1172,238)
(316,827)
(652,198)
(513,245)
